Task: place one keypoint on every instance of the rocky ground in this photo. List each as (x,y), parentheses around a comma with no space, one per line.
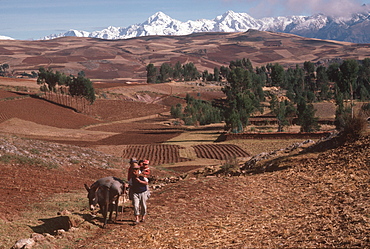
(315,199)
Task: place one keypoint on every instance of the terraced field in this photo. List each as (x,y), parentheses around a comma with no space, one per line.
(155,153)
(219,151)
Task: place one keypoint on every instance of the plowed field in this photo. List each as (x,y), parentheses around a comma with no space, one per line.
(155,153)
(219,151)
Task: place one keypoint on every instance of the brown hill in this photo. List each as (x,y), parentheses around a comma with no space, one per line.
(126,60)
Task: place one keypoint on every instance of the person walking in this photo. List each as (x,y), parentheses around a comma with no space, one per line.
(130,175)
(139,195)
(133,163)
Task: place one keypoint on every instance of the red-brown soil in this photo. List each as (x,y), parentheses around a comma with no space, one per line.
(156,154)
(23,185)
(219,151)
(45,113)
(126,60)
(318,200)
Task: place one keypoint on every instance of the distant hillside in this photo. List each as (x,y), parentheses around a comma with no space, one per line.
(126,60)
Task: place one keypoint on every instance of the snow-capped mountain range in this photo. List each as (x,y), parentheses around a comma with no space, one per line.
(351,29)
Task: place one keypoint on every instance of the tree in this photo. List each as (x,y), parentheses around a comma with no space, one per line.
(82,87)
(349,69)
(205,75)
(310,84)
(190,72)
(165,72)
(334,73)
(277,75)
(47,77)
(3,68)
(363,92)
(238,110)
(322,82)
(284,112)
(176,111)
(197,112)
(216,74)
(342,113)
(178,71)
(224,72)
(239,80)
(244,64)
(151,73)
(306,117)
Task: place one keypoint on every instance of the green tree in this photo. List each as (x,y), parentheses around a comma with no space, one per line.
(284,112)
(306,116)
(322,82)
(3,68)
(205,75)
(238,110)
(224,72)
(178,71)
(190,72)
(48,79)
(165,72)
(363,92)
(349,69)
(200,112)
(216,74)
(176,111)
(151,73)
(277,75)
(82,87)
(310,83)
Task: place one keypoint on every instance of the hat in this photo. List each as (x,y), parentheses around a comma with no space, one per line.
(133,160)
(146,162)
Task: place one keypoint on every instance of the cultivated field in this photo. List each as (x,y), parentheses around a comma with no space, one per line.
(48,151)
(123,61)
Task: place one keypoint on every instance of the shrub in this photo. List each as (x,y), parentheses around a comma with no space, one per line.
(355,126)
(230,167)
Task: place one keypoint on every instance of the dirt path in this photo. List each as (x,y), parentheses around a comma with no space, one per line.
(125,121)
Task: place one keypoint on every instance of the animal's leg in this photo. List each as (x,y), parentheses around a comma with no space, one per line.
(105,204)
(116,207)
(111,210)
(104,212)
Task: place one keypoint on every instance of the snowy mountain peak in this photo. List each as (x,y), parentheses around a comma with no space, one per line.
(2,37)
(158,17)
(319,26)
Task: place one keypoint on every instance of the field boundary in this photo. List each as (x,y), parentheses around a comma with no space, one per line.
(273,135)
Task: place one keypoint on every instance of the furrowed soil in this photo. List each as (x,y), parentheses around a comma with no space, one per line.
(315,197)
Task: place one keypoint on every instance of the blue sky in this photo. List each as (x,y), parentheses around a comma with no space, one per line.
(33,19)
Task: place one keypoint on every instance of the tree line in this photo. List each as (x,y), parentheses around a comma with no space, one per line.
(197,112)
(166,72)
(344,82)
(61,84)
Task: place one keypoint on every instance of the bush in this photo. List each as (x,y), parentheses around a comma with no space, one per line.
(230,167)
(355,126)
